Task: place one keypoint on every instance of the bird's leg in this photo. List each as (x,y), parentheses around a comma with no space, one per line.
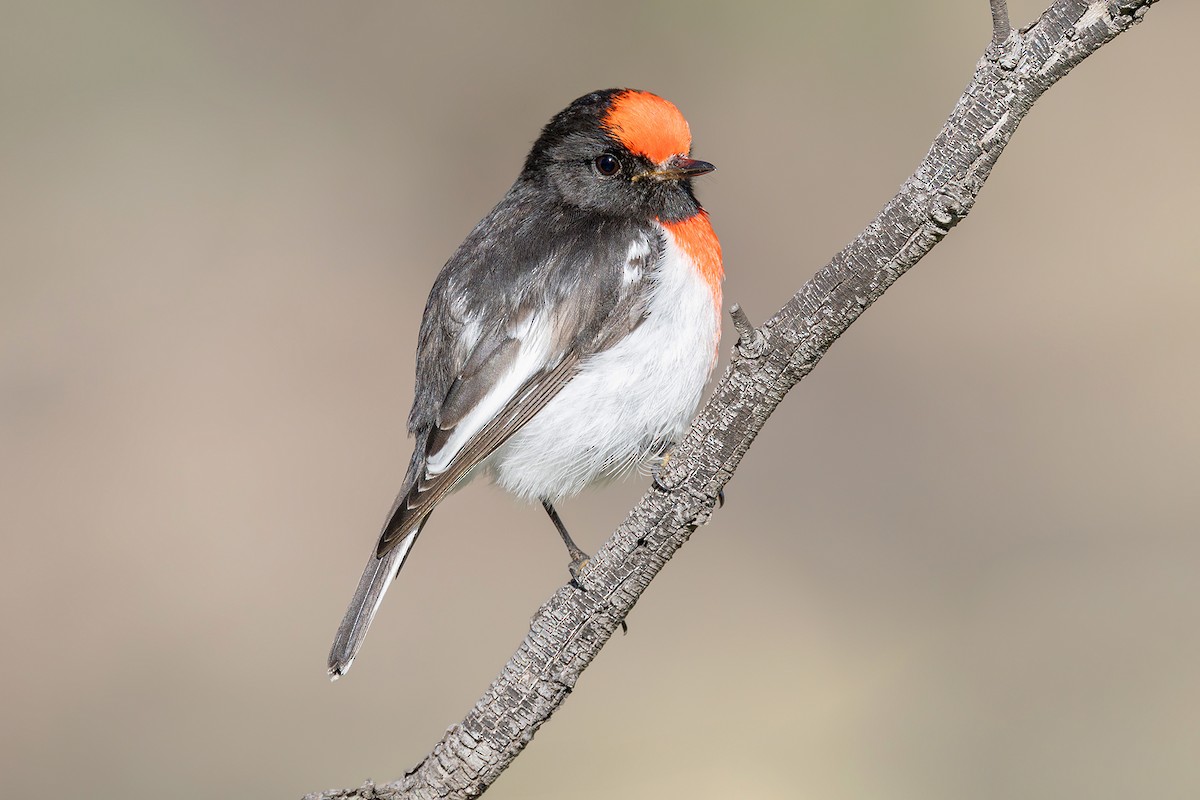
(579,559)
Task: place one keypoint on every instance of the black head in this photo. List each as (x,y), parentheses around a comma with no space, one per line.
(621,152)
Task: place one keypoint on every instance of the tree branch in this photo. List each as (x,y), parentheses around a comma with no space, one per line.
(569,630)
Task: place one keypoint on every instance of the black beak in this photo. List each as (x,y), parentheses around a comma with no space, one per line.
(677,167)
(689,167)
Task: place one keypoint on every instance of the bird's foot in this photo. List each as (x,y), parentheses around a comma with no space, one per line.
(580,561)
(656,471)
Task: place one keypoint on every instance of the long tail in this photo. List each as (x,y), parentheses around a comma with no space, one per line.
(374,583)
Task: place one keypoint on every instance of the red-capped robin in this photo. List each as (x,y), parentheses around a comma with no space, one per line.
(570,336)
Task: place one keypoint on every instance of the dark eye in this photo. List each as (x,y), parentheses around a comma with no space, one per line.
(607,164)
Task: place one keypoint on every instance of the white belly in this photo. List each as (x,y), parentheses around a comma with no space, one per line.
(626,403)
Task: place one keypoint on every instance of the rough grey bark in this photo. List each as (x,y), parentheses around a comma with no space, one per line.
(569,630)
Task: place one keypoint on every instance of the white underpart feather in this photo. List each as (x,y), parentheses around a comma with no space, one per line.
(626,402)
(635,260)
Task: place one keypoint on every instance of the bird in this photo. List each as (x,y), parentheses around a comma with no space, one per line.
(569,338)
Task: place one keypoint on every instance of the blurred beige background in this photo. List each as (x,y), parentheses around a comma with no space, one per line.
(960,563)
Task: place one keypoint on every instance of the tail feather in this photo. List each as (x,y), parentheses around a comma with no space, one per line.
(374,583)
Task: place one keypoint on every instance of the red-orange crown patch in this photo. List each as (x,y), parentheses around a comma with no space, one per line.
(648,125)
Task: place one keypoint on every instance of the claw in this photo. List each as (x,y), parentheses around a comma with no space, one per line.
(656,471)
(578,564)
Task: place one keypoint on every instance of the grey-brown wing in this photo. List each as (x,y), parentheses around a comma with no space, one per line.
(512,374)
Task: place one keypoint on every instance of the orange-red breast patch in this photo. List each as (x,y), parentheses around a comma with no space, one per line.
(695,235)
(648,125)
